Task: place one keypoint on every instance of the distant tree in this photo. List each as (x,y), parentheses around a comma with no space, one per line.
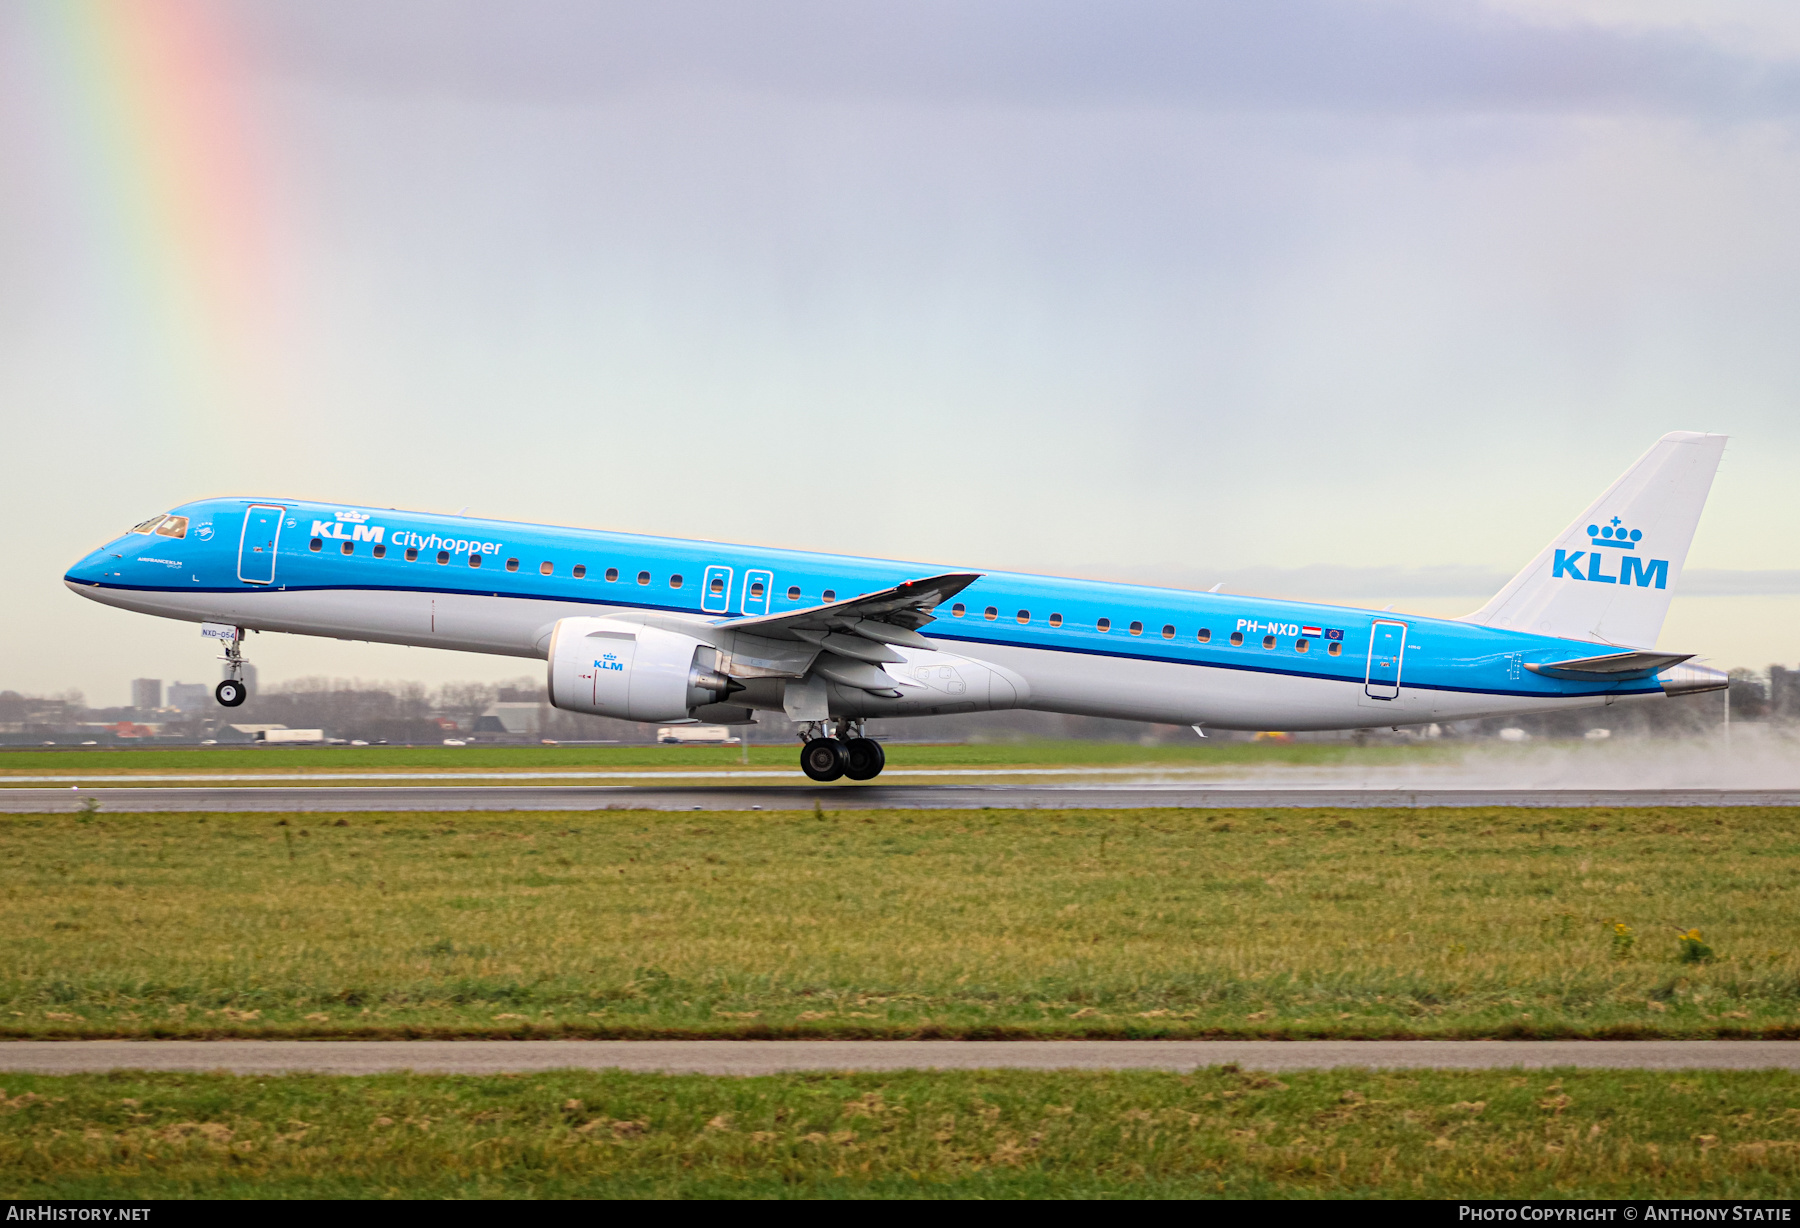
(1749,696)
(464,701)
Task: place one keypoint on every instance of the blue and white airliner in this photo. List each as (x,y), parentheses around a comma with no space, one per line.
(665,630)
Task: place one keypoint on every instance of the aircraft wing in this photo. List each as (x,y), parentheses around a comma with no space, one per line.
(891,616)
(843,641)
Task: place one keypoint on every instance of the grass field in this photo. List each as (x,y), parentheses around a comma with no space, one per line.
(1452,923)
(1488,1134)
(325,759)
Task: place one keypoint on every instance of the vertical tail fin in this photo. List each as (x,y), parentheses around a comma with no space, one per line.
(1608,576)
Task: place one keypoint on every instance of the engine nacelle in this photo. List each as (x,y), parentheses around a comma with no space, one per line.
(636,673)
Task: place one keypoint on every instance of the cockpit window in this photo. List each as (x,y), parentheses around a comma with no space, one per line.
(148,525)
(173,526)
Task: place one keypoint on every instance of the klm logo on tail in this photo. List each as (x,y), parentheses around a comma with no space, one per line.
(1631,568)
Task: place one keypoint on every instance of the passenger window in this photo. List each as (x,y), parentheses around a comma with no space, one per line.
(643,577)
(990,613)
(348,547)
(412,554)
(612,575)
(1056,620)
(1336,649)
(443,557)
(1024,616)
(958,610)
(1168,632)
(474,558)
(1299,645)
(316,545)
(831,594)
(1103,626)
(173,526)
(794,592)
(1203,635)
(380,551)
(1136,628)
(579,571)
(1237,639)
(1268,641)
(512,564)
(716,585)
(147,525)
(756,590)
(675,581)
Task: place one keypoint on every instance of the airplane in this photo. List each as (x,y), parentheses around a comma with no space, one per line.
(667,630)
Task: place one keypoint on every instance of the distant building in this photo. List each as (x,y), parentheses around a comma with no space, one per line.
(1784,692)
(243,733)
(526,719)
(146,694)
(189,696)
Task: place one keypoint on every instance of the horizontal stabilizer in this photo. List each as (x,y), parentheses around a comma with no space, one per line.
(1613,667)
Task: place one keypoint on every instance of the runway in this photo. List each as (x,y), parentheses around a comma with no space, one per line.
(252,798)
(762,1057)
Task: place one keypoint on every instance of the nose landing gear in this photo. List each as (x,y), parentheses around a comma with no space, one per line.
(232,692)
(850,753)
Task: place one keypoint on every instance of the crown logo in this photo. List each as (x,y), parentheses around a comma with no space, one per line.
(1613,534)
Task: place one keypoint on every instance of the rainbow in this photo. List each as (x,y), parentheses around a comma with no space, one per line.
(146,101)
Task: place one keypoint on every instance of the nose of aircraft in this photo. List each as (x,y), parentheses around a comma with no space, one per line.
(90,570)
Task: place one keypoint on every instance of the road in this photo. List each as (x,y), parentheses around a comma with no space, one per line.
(755,1057)
(253,798)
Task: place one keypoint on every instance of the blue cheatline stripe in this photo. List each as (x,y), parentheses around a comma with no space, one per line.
(617,603)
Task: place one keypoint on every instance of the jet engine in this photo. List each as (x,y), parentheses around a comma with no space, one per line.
(633,672)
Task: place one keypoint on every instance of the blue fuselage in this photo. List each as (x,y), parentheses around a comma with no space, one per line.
(496,586)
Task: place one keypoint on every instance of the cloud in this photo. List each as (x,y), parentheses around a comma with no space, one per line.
(1346,56)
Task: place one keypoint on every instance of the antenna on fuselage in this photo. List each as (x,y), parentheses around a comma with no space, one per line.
(1215,588)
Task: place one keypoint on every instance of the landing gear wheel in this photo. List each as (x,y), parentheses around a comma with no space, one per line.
(824,759)
(230,693)
(866,758)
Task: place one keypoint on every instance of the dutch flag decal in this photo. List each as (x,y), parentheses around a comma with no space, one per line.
(1312,631)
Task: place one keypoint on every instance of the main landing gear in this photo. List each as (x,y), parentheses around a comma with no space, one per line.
(232,692)
(849,754)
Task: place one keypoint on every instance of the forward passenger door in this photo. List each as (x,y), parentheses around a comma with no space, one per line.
(256,545)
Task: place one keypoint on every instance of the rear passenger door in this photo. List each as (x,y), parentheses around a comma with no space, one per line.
(1387,648)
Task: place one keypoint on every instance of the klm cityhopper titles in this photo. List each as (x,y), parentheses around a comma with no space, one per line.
(662,630)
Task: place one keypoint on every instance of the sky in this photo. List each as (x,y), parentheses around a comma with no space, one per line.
(1340,299)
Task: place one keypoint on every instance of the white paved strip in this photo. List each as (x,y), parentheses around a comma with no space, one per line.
(761,1057)
(351,798)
